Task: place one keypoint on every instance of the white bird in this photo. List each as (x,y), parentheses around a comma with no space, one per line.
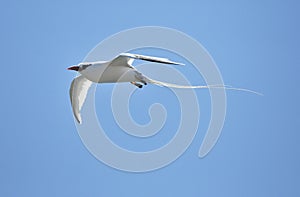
(119,69)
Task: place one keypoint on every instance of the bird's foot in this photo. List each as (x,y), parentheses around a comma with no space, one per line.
(137,84)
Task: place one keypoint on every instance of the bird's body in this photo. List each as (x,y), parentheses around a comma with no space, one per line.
(118,70)
(103,72)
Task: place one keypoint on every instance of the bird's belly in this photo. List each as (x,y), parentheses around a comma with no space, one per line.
(110,74)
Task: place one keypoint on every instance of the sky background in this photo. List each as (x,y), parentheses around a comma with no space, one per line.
(255,45)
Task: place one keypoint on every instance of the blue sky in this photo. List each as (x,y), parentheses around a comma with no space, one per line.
(256,46)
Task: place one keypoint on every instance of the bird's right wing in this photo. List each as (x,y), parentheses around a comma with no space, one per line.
(126,59)
(150,58)
(78,91)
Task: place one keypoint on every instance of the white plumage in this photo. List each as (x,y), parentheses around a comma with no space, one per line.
(119,69)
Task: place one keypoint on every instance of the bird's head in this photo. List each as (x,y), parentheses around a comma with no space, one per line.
(79,67)
(76,68)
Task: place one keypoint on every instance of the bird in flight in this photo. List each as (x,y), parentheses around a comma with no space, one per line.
(118,70)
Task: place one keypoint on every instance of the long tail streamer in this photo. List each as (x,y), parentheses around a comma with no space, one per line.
(226,87)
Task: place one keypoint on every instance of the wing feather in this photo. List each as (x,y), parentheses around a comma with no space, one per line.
(126,59)
(78,91)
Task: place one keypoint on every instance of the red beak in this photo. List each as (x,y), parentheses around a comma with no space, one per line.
(73,68)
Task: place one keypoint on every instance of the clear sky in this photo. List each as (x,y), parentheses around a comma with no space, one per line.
(255,45)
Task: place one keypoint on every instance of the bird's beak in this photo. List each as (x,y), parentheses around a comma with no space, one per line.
(73,68)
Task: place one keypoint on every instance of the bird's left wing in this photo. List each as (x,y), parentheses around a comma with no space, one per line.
(126,59)
(78,91)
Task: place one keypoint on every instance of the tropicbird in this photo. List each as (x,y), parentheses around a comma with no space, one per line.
(119,69)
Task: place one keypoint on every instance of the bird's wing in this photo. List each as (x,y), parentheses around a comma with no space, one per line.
(126,59)
(78,91)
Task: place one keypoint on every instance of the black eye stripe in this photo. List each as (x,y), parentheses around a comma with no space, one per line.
(84,66)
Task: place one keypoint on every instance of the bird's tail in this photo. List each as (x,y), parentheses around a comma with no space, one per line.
(170,85)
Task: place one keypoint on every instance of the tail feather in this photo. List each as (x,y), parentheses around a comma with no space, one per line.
(170,85)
